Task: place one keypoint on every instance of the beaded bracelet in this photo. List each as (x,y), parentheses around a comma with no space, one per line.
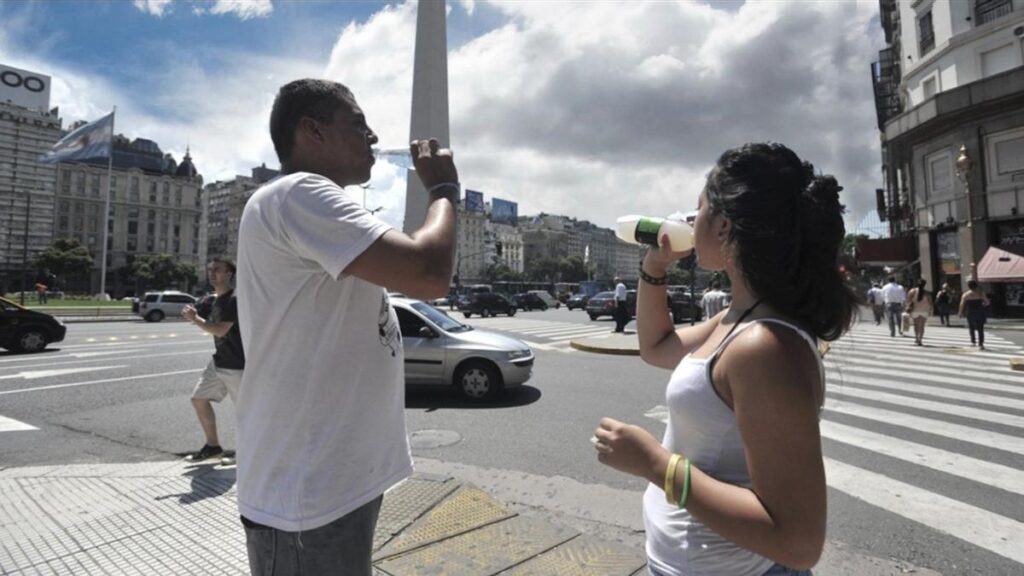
(653,280)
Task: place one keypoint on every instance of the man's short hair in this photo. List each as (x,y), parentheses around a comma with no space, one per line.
(310,98)
(892,278)
(716,285)
(227,262)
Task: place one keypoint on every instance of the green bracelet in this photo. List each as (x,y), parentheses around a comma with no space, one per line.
(686,483)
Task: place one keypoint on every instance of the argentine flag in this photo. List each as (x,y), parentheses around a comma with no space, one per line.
(94,140)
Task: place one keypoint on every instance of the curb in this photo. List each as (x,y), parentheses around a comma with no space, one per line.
(579,345)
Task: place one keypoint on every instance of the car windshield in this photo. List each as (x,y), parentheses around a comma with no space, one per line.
(604,295)
(443,321)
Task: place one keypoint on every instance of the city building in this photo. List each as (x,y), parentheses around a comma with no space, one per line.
(557,237)
(155,207)
(223,205)
(949,93)
(28,129)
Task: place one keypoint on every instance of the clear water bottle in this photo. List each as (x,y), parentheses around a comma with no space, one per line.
(647,230)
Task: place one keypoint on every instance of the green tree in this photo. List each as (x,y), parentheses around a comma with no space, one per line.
(542,270)
(65,257)
(163,270)
(572,269)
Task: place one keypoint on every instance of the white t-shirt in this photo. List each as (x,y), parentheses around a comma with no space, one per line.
(620,292)
(893,293)
(321,421)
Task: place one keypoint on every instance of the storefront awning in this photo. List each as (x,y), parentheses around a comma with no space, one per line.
(1001,266)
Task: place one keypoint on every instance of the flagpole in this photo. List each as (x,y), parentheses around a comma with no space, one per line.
(106,208)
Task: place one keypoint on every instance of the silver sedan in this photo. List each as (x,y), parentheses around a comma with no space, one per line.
(441,351)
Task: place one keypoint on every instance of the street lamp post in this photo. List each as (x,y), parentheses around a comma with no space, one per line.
(964,164)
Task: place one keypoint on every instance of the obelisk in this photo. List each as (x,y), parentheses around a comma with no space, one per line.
(429,99)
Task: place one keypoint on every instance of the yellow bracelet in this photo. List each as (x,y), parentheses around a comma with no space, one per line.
(670,478)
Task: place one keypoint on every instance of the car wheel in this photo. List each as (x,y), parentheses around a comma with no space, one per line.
(486,312)
(31,340)
(467,314)
(592,316)
(558,305)
(155,316)
(478,380)
(511,312)
(677,317)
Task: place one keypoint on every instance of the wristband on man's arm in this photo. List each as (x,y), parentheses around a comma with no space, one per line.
(455,187)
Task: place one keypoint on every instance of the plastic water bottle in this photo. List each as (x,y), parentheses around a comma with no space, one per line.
(637,229)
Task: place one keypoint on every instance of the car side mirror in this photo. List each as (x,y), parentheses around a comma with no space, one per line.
(426,332)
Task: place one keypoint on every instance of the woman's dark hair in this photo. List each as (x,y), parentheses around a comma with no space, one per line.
(309,98)
(787,225)
(972,284)
(920,289)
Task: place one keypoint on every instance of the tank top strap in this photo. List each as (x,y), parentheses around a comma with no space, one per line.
(803,334)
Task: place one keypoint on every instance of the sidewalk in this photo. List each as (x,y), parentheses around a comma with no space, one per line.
(175,517)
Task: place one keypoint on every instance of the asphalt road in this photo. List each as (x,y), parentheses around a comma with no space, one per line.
(118,392)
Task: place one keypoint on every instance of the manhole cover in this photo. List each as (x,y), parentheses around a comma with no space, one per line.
(433,438)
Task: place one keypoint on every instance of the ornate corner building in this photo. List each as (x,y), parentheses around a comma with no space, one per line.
(949,93)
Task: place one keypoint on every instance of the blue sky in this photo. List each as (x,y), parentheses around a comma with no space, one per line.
(591,109)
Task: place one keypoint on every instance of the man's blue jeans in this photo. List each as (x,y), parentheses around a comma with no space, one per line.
(344,546)
(895,312)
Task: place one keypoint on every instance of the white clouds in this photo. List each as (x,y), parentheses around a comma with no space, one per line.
(243,9)
(599,108)
(153,7)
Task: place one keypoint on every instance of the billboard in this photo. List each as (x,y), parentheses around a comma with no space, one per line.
(504,212)
(24,88)
(474,201)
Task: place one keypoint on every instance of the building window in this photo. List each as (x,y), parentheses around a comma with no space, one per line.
(989,10)
(925,33)
(133,227)
(177,196)
(133,196)
(152,192)
(149,244)
(929,88)
(133,244)
(63,222)
(167,196)
(151,229)
(95,187)
(135,184)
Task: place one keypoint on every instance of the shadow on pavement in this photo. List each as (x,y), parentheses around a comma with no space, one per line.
(208,481)
(432,399)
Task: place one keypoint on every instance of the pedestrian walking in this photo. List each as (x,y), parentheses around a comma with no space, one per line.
(894,297)
(321,422)
(737,486)
(223,374)
(714,300)
(974,305)
(919,306)
(943,302)
(621,311)
(877,302)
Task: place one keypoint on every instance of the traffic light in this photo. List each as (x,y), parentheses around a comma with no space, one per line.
(497,248)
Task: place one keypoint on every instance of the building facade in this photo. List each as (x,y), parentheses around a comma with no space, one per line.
(223,203)
(26,190)
(949,91)
(155,207)
(558,237)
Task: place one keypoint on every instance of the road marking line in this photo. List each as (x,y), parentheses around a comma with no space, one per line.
(927,375)
(12,425)
(974,469)
(959,432)
(848,388)
(34,374)
(977,526)
(848,360)
(198,351)
(126,378)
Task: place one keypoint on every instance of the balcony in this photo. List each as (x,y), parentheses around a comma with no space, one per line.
(988,10)
(885,77)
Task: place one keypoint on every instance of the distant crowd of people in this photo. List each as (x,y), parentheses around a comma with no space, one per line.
(903,308)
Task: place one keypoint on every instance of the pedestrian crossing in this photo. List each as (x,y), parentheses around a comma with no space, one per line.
(943,414)
(544,334)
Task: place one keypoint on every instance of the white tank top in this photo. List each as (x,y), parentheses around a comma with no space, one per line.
(702,428)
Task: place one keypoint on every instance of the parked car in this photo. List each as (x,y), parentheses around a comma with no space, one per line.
(603,304)
(680,306)
(547,298)
(683,307)
(529,301)
(486,304)
(155,306)
(577,301)
(24,330)
(441,351)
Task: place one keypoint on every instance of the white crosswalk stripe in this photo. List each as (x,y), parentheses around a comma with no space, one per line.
(543,334)
(926,407)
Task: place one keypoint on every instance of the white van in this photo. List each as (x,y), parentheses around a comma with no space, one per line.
(155,306)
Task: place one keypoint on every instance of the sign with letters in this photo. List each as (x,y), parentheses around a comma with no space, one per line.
(504,212)
(24,88)
(474,201)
